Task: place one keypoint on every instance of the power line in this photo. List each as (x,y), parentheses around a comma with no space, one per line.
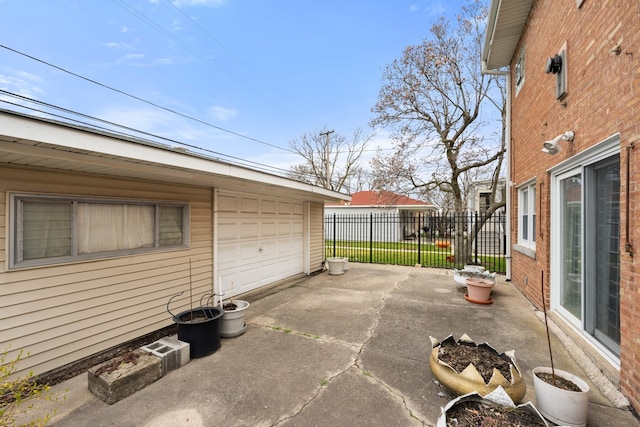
(237,160)
(137,98)
(171,3)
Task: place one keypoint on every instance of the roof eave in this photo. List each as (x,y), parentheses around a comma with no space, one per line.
(505,25)
(35,138)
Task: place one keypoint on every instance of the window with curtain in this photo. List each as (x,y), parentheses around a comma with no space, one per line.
(49,230)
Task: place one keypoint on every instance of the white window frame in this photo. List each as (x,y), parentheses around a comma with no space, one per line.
(600,151)
(519,74)
(16,260)
(527,195)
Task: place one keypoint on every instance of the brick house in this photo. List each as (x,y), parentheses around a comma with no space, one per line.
(573,74)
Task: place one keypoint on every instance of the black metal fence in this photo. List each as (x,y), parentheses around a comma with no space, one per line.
(410,238)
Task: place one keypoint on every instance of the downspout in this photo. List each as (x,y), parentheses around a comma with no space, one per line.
(214,241)
(507,136)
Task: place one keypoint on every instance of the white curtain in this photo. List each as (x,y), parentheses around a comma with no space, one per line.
(46,229)
(111,227)
(170,225)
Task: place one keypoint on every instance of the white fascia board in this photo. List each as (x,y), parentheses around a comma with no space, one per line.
(19,127)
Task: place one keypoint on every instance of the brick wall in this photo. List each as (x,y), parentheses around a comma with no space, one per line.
(602,40)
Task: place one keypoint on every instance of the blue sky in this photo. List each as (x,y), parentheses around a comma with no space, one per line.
(267,70)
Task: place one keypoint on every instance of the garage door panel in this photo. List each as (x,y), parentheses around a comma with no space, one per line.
(249,230)
(269,207)
(227,203)
(269,229)
(249,205)
(260,241)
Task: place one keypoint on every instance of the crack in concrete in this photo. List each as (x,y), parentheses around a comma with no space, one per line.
(355,362)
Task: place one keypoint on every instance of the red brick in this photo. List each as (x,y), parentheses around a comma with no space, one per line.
(603,98)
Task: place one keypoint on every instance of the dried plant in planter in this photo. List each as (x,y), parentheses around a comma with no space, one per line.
(464,367)
(495,409)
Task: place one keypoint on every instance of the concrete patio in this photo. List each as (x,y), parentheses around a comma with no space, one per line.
(344,350)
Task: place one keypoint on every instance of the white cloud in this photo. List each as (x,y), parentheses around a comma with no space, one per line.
(131,56)
(111,44)
(164,124)
(221,113)
(21,83)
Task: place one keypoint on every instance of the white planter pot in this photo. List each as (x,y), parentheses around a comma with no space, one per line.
(336,265)
(232,322)
(562,407)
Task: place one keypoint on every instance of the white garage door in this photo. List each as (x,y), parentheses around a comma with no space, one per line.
(260,240)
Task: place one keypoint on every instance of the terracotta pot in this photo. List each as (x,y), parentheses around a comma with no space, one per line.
(479,290)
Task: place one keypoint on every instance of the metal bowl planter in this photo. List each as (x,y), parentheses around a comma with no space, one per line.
(470,380)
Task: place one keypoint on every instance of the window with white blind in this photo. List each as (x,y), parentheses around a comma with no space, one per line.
(51,229)
(527,215)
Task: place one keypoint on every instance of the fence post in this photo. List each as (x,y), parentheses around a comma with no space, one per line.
(476,238)
(371,237)
(419,238)
(334,234)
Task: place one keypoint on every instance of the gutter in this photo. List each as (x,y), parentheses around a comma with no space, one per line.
(507,136)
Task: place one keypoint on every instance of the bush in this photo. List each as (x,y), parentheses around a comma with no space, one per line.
(18,395)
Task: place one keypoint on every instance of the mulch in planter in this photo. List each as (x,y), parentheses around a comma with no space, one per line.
(483,357)
(560,382)
(489,414)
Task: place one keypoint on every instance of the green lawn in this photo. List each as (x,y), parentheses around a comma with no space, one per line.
(405,253)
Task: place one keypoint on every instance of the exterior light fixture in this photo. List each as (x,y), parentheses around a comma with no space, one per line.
(552,147)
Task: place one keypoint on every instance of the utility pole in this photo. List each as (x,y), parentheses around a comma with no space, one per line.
(326,159)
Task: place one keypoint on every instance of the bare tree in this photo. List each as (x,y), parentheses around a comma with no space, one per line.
(439,105)
(330,160)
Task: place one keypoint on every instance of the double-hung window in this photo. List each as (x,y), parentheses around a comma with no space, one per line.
(57,229)
(527,215)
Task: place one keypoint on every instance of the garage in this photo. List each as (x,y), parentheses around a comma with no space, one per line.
(260,240)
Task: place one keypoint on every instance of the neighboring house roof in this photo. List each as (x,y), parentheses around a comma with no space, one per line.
(34,141)
(383,199)
(506,23)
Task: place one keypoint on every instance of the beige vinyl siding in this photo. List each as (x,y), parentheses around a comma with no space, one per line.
(62,313)
(316,236)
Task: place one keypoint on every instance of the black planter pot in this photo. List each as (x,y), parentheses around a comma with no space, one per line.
(200,327)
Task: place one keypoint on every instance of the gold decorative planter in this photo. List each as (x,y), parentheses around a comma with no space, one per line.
(470,380)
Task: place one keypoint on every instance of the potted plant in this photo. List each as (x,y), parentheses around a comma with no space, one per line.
(464,367)
(199,326)
(233,321)
(562,397)
(336,265)
(460,276)
(479,290)
(494,409)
